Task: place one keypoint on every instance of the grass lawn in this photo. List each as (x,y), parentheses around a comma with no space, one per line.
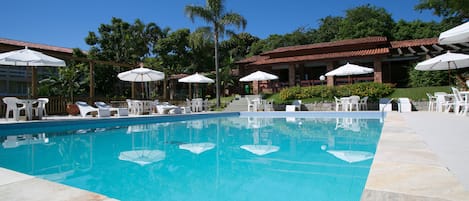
(418,93)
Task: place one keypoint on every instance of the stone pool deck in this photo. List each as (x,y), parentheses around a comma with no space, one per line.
(421,156)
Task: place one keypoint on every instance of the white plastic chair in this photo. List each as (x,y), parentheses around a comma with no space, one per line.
(12,106)
(297,104)
(467,83)
(460,105)
(251,105)
(431,102)
(363,103)
(354,103)
(40,110)
(340,104)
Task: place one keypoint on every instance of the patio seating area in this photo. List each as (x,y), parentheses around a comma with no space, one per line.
(32,108)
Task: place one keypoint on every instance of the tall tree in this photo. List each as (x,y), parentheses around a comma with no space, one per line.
(120,42)
(214,13)
(364,21)
(416,29)
(328,29)
(455,11)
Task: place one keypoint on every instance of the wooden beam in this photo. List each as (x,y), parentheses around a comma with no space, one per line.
(399,51)
(438,48)
(453,46)
(464,44)
(411,50)
(424,48)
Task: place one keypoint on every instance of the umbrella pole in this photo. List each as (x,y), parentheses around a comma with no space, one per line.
(33,82)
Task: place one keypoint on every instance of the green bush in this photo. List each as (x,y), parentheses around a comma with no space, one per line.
(374,91)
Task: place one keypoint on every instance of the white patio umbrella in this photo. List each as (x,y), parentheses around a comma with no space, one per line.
(141,74)
(196,78)
(27,57)
(258,76)
(447,61)
(458,34)
(142,157)
(349,69)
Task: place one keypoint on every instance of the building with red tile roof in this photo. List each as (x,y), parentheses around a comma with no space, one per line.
(304,64)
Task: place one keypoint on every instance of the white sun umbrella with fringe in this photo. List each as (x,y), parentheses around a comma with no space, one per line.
(27,57)
(447,61)
(196,78)
(258,76)
(350,69)
(458,34)
(141,74)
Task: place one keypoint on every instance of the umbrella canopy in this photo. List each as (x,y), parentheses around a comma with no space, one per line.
(351,156)
(27,57)
(196,78)
(142,157)
(141,75)
(349,69)
(258,76)
(197,148)
(445,61)
(458,34)
(260,149)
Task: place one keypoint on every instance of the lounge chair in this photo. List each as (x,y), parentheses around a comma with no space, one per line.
(12,105)
(85,109)
(120,111)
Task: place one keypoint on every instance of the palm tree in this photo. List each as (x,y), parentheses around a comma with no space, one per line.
(214,13)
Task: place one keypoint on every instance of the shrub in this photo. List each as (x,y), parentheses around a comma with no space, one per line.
(373,90)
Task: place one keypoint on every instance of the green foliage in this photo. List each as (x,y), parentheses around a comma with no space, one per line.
(364,21)
(70,81)
(427,78)
(416,29)
(373,90)
(418,93)
(214,13)
(455,10)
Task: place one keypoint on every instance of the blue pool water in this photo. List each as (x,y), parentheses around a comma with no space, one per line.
(224,158)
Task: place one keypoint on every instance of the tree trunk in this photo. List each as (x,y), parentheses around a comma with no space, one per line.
(217,73)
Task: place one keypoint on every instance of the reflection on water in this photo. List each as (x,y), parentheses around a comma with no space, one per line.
(205,159)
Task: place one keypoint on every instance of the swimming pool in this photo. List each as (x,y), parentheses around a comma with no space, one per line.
(231,157)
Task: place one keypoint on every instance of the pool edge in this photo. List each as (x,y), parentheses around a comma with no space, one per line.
(402,167)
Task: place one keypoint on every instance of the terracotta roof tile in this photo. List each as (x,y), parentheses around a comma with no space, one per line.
(251,59)
(315,57)
(36,45)
(376,39)
(415,42)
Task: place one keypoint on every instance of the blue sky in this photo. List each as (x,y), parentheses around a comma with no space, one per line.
(66,23)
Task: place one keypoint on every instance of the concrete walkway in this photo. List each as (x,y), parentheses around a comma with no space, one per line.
(447,135)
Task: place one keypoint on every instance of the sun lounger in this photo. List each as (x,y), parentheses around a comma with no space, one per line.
(120,111)
(85,109)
